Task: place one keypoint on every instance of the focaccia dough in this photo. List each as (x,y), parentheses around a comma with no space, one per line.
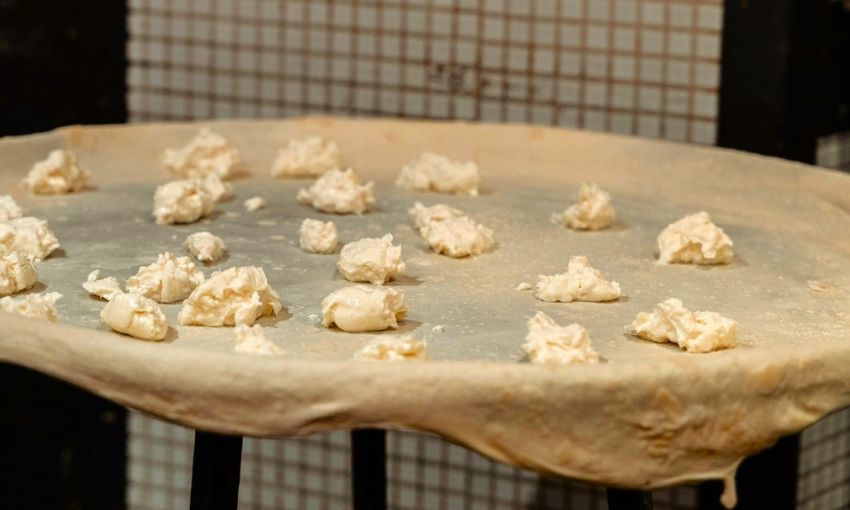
(29,236)
(671,322)
(310,156)
(371,260)
(694,239)
(363,308)
(317,236)
(168,280)
(239,295)
(252,340)
(205,246)
(207,153)
(434,172)
(551,344)
(57,174)
(136,316)
(17,273)
(104,288)
(458,237)
(36,306)
(404,348)
(340,192)
(181,202)
(9,209)
(423,216)
(254,204)
(593,211)
(581,282)
(216,188)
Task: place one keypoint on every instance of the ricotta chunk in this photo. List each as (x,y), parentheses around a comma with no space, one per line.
(57,174)
(404,348)
(207,153)
(252,340)
(136,316)
(433,172)
(318,236)
(593,211)
(363,308)
(548,343)
(29,236)
(216,188)
(340,192)
(581,282)
(254,204)
(36,306)
(104,288)
(423,216)
(310,156)
(181,202)
(372,260)
(205,246)
(17,273)
(239,295)
(9,209)
(694,239)
(168,280)
(458,237)
(671,322)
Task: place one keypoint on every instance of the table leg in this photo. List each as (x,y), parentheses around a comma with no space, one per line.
(369,469)
(215,471)
(625,499)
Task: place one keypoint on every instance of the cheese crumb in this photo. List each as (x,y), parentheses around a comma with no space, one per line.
(181,202)
(363,308)
(310,156)
(205,246)
(340,192)
(593,211)
(104,288)
(581,282)
(458,237)
(57,174)
(9,209)
(318,237)
(371,260)
(524,286)
(168,280)
(207,153)
(423,216)
(136,316)
(17,273)
(404,348)
(252,340)
(671,322)
(239,295)
(694,239)
(36,306)
(216,188)
(548,343)
(29,236)
(433,172)
(254,204)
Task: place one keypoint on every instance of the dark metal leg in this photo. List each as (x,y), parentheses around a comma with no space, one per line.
(625,499)
(215,471)
(369,469)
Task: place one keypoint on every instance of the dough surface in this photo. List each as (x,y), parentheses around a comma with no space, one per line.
(239,295)
(104,288)
(671,322)
(135,315)
(371,260)
(181,202)
(458,237)
(205,246)
(252,340)
(317,236)
(593,211)
(340,192)
(363,308)
(423,215)
(581,282)
(9,209)
(254,204)
(29,236)
(57,174)
(207,153)
(405,348)
(548,343)
(694,239)
(216,188)
(35,306)
(434,172)
(17,273)
(168,280)
(310,156)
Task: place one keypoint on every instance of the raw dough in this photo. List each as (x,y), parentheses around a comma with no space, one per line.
(458,237)
(434,172)
(251,340)
(371,260)
(548,343)
(37,306)
(207,153)
(218,189)
(57,174)
(17,273)
(339,191)
(404,348)
(254,204)
(593,211)
(239,295)
(524,286)
(105,288)
(181,202)
(581,282)
(671,322)
(694,239)
(205,246)
(363,308)
(310,156)
(168,280)
(423,216)
(318,237)
(29,236)
(136,316)
(9,209)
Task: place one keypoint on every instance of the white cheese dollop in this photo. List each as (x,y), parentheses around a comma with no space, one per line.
(551,344)
(310,156)
(694,239)
(423,216)
(433,172)
(254,204)
(29,236)
(9,209)
(404,348)
(136,316)
(317,236)
(581,282)
(207,153)
(239,295)
(104,288)
(593,211)
(57,174)
(671,322)
(340,192)
(181,202)
(17,273)
(205,246)
(36,306)
(362,308)
(458,237)
(168,280)
(252,340)
(372,260)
